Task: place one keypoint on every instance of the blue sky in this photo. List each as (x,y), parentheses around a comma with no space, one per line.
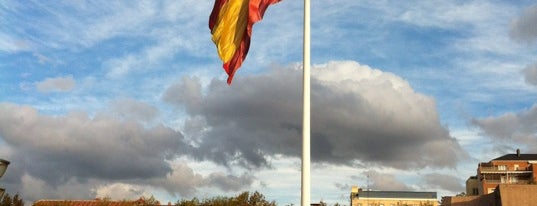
(122,99)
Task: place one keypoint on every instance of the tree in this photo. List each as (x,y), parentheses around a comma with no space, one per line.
(17,201)
(243,199)
(151,201)
(6,200)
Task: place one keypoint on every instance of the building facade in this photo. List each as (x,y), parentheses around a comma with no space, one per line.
(508,169)
(360,197)
(503,195)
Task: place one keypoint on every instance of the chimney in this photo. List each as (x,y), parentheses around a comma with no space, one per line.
(518,152)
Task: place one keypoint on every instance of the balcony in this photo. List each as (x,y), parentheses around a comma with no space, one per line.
(518,182)
(497,170)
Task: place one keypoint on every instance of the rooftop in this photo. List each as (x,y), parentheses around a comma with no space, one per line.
(397,194)
(518,157)
(83,203)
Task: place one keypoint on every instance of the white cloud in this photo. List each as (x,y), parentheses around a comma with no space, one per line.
(57,84)
(121,191)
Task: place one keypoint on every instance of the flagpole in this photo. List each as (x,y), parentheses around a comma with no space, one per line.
(305,178)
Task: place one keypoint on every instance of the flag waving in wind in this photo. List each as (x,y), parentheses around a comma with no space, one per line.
(231,24)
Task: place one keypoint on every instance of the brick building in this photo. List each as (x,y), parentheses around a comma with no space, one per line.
(503,195)
(508,169)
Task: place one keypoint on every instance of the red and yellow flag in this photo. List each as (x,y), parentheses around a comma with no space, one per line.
(231,24)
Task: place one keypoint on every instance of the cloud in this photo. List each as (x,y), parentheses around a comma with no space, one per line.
(358,114)
(442,181)
(384,181)
(229,182)
(12,44)
(134,110)
(109,155)
(523,28)
(33,188)
(55,148)
(530,74)
(511,130)
(57,84)
(121,191)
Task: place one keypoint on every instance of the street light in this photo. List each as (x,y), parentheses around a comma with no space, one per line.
(3,168)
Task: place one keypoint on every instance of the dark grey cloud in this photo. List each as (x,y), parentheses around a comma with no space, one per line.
(229,182)
(530,74)
(511,130)
(55,149)
(184,181)
(358,114)
(442,181)
(524,28)
(112,154)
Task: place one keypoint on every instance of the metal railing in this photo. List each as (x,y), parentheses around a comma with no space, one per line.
(518,182)
(497,169)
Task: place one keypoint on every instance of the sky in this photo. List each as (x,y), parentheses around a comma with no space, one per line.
(124,99)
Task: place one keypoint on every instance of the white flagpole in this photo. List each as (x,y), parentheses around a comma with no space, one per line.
(306,179)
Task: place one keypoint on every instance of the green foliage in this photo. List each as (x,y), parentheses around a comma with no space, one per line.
(243,199)
(6,200)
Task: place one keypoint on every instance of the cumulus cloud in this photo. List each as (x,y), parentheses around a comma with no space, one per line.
(57,84)
(511,129)
(33,188)
(75,156)
(229,182)
(56,148)
(384,181)
(442,181)
(523,28)
(132,109)
(358,114)
(121,191)
(530,74)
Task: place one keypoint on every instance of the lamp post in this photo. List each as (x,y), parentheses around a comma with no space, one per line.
(3,168)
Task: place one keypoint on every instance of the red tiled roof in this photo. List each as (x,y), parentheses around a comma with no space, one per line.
(518,157)
(86,203)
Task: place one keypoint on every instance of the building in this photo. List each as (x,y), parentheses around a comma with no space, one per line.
(503,195)
(360,197)
(508,169)
(472,186)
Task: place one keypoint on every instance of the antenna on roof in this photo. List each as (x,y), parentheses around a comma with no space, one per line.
(518,152)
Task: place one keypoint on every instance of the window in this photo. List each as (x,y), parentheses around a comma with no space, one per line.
(490,190)
(516,167)
(475,191)
(514,179)
(502,167)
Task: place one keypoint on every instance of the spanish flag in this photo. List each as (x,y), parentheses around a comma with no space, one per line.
(231,24)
